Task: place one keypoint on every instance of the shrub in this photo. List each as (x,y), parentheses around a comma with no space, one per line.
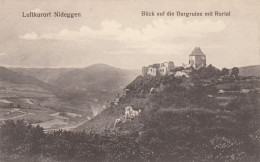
(18,137)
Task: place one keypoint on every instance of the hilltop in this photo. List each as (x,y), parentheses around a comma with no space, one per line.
(250,70)
(185,118)
(170,92)
(175,93)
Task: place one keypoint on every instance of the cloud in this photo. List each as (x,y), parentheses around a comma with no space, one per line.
(179,28)
(154,38)
(158,29)
(30,36)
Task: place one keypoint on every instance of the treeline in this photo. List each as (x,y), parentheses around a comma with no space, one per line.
(213,72)
(19,140)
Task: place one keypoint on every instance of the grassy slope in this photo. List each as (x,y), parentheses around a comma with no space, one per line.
(16,78)
(106,119)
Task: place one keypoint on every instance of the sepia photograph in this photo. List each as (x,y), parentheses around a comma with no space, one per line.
(129,81)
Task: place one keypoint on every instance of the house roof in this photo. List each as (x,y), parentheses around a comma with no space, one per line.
(197,52)
(154,66)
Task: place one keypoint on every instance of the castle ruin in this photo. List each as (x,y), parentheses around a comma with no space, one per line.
(197,59)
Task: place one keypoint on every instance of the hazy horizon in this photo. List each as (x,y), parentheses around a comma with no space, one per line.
(100,64)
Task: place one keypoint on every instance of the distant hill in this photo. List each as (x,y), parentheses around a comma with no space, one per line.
(43,74)
(16,78)
(94,85)
(250,70)
(99,77)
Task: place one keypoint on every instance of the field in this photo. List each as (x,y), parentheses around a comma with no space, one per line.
(38,106)
(227,92)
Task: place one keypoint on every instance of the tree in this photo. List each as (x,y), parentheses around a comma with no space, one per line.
(224,72)
(207,72)
(18,137)
(235,72)
(12,135)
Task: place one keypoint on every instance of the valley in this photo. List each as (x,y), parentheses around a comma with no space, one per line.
(58,98)
(38,106)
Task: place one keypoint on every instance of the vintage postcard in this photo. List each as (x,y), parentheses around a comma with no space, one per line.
(129,80)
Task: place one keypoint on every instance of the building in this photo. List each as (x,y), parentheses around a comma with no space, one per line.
(197,58)
(153,69)
(144,71)
(158,69)
(166,68)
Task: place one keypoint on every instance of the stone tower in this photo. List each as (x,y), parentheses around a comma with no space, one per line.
(144,71)
(197,58)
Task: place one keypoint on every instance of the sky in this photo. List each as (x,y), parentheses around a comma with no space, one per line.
(115,33)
